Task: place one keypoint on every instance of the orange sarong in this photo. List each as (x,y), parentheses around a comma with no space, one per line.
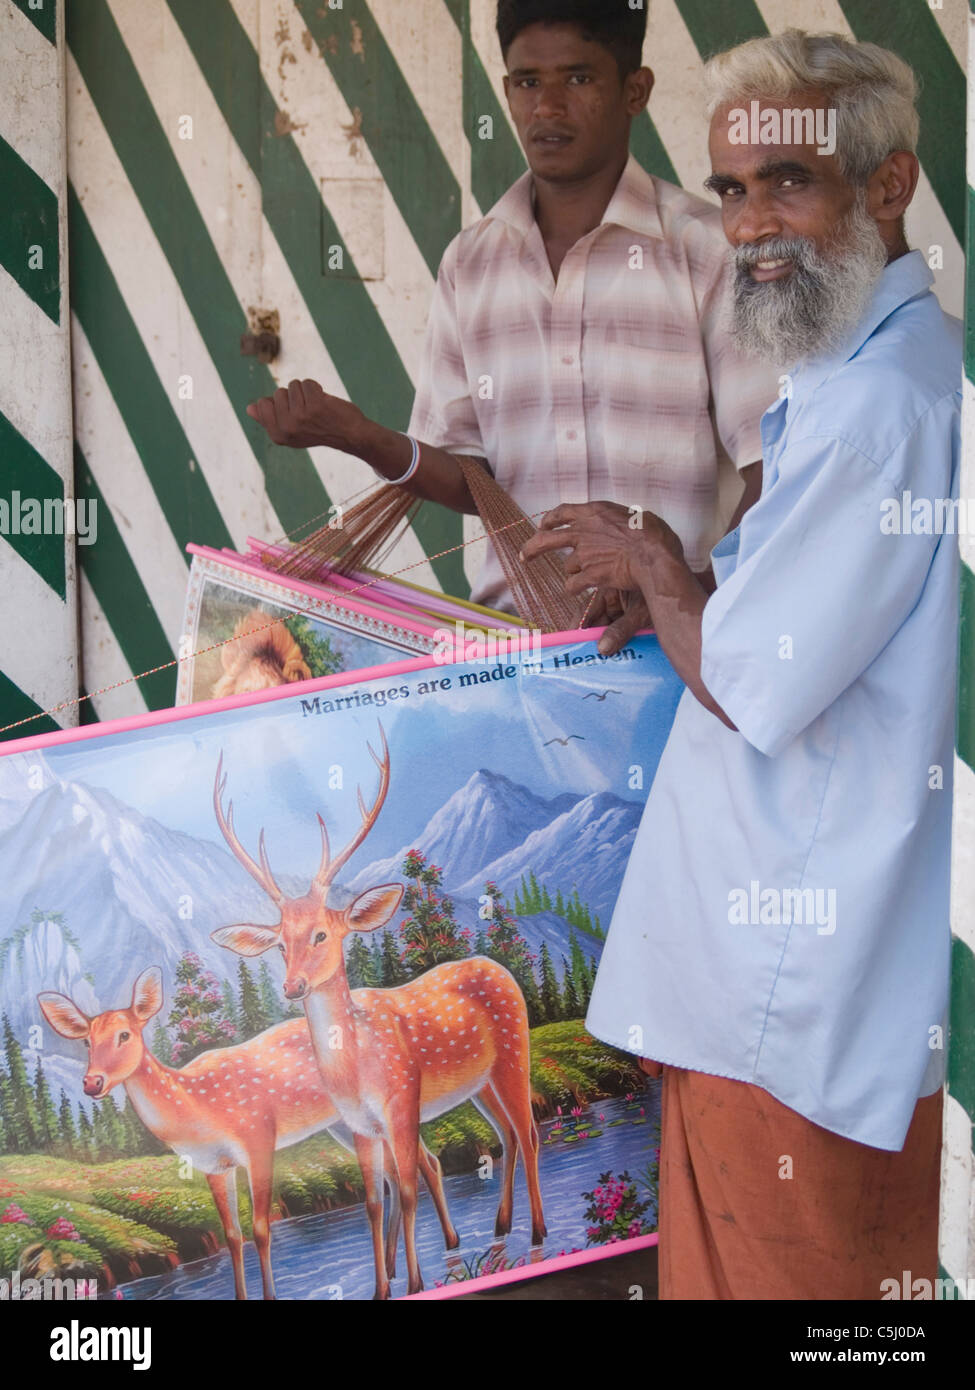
(848,1217)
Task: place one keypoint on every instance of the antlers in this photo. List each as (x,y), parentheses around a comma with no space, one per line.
(261,872)
(329,867)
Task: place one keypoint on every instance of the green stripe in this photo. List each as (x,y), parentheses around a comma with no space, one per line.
(115,580)
(393,126)
(14,705)
(961,1040)
(496,162)
(295,490)
(28,231)
(911,30)
(25,472)
(648,147)
(44,19)
(965,735)
(151,421)
(970,286)
(717,27)
(352,330)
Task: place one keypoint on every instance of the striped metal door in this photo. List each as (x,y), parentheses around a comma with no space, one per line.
(238,162)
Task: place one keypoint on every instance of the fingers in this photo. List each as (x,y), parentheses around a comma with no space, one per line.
(562,515)
(616,636)
(286,414)
(294,396)
(544,542)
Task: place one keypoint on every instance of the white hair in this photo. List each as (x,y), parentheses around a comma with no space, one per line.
(873,91)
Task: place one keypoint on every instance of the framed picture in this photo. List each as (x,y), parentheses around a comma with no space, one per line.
(320,633)
(262,1033)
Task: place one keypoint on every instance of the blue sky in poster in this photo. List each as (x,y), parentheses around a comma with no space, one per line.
(279,760)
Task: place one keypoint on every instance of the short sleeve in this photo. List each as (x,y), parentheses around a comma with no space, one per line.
(443,409)
(820,588)
(742,388)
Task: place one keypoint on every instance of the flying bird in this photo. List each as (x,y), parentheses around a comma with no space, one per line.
(563,741)
(593,696)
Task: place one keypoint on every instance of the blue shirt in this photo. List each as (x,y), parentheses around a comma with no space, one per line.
(783,919)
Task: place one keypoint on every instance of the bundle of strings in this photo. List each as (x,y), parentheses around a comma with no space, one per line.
(371,528)
(367,532)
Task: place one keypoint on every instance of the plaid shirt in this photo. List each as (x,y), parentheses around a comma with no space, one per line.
(618,382)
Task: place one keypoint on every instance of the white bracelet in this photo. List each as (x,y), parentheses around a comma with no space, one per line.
(414,465)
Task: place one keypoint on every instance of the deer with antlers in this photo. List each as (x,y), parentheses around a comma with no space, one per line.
(228,1108)
(392,1058)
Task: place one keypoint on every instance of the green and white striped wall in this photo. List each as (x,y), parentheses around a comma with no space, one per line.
(958,1157)
(39,664)
(219,151)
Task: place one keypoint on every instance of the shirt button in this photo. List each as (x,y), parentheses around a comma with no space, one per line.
(568,360)
(572,435)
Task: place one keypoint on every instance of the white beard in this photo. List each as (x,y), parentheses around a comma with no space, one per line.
(814,309)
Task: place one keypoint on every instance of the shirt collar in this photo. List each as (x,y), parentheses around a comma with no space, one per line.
(633,204)
(900,281)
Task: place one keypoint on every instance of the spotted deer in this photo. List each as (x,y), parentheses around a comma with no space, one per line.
(226,1109)
(393,1058)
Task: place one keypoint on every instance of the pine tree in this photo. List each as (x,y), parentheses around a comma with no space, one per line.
(22,1120)
(579,972)
(101,1132)
(253,1019)
(534,893)
(162,1048)
(358,962)
(592,974)
(47,1120)
(570,999)
(229,1005)
(430,933)
(549,992)
(480,944)
(393,970)
(86,1136)
(559,904)
(546,899)
(269,995)
(375,974)
(67,1134)
(505,944)
(6,1120)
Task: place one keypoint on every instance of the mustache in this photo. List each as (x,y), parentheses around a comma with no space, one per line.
(800,250)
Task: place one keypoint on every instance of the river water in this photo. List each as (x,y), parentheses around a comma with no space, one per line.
(329,1255)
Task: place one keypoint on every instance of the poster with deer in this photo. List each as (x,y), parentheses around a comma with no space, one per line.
(293,984)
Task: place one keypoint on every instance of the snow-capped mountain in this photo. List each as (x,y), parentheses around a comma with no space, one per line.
(485,819)
(130,893)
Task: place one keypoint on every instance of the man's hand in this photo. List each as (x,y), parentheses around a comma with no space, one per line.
(634,618)
(608,552)
(302,416)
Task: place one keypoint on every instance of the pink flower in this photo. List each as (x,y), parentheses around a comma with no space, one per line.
(14,1214)
(62,1229)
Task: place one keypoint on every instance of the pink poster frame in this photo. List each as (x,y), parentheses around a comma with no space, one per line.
(152,718)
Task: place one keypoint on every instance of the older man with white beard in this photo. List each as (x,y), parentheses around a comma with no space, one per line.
(781,940)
